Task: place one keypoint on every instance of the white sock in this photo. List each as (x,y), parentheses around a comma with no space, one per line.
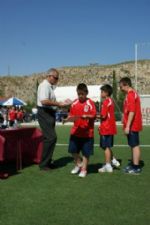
(80,164)
(108,165)
(114,160)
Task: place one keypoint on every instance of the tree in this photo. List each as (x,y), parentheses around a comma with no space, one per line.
(114,85)
(1,92)
(118,98)
(35,92)
(37,84)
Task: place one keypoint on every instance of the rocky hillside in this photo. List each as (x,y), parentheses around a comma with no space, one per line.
(25,87)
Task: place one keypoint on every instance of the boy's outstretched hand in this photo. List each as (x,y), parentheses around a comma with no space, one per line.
(70,119)
(68,101)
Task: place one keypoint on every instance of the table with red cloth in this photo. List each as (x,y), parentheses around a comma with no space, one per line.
(22,145)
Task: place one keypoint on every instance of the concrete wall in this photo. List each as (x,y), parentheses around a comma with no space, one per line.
(145,104)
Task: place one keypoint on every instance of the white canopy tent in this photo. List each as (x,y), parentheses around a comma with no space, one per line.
(14,101)
(62,93)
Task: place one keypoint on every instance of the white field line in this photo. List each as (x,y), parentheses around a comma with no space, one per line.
(97,145)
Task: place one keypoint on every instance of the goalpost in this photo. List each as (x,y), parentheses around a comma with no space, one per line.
(139,48)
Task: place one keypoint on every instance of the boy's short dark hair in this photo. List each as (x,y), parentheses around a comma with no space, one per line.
(107,88)
(126,81)
(82,87)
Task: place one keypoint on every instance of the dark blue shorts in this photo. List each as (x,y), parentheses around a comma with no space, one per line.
(133,139)
(106,141)
(77,144)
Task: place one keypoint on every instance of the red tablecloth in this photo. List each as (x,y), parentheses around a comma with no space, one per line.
(21,144)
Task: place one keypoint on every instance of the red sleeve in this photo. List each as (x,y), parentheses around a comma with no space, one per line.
(93,110)
(104,109)
(71,111)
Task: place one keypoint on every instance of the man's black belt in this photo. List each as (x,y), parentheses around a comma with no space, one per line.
(46,109)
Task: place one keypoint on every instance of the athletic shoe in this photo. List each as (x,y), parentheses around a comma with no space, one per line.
(83,173)
(133,171)
(105,168)
(115,163)
(127,168)
(80,164)
(52,166)
(75,170)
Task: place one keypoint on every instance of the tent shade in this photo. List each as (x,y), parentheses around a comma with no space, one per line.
(62,93)
(13,101)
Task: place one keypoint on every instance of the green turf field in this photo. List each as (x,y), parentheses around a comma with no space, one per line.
(33,197)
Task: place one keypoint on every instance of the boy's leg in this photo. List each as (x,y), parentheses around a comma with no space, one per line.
(78,163)
(115,163)
(106,142)
(74,145)
(77,159)
(107,167)
(85,161)
(87,150)
(108,155)
(110,159)
(136,155)
(83,171)
(134,167)
(133,142)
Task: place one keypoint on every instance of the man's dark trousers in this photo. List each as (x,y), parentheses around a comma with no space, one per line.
(46,119)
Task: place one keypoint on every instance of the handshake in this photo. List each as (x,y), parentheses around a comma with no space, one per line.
(65,103)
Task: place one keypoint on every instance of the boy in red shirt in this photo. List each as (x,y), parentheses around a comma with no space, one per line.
(132,123)
(83,113)
(107,129)
(20,115)
(12,116)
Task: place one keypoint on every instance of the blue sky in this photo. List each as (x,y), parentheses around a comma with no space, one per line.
(36,35)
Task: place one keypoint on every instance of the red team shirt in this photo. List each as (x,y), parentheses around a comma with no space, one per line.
(12,115)
(132,104)
(83,127)
(20,115)
(108,125)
